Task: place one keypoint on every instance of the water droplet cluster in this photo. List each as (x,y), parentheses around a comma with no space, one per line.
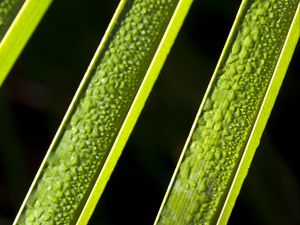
(73,167)
(228,114)
(8,11)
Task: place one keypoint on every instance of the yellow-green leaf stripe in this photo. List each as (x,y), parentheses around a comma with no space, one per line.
(18,19)
(233,114)
(103,112)
(8,11)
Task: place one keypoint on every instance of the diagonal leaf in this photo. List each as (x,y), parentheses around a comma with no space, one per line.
(8,11)
(233,114)
(103,112)
(18,19)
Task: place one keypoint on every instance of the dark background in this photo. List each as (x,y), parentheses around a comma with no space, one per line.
(42,83)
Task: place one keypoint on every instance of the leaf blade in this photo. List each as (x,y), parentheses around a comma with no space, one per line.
(198,187)
(19,33)
(265,111)
(163,28)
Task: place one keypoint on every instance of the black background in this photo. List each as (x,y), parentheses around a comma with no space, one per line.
(42,83)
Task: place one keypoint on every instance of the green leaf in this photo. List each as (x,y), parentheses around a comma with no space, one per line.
(233,114)
(8,11)
(18,19)
(103,112)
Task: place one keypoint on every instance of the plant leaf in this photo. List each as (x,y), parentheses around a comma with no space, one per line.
(103,112)
(18,19)
(233,114)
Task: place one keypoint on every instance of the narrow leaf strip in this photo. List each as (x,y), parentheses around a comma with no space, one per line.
(233,114)
(18,19)
(103,112)
(8,11)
